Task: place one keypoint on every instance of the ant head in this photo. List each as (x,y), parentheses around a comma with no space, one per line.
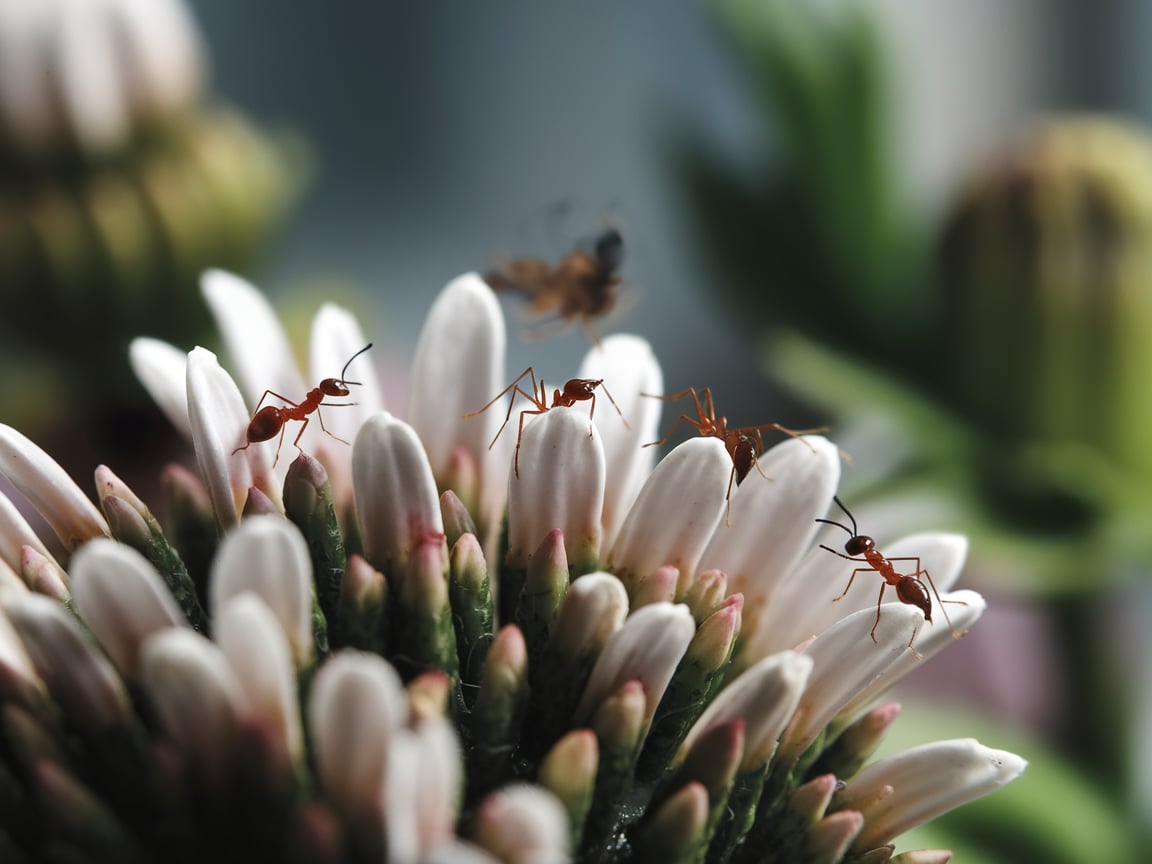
(911,590)
(339,386)
(858,544)
(609,250)
(580,389)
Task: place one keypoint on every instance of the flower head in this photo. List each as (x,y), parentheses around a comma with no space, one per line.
(671,657)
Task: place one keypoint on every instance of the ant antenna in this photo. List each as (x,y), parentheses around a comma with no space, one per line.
(344,371)
(853,531)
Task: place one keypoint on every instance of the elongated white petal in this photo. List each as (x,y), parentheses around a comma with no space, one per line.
(845,661)
(773,520)
(925,781)
(764,697)
(254,643)
(336,337)
(459,365)
(403,776)
(675,514)
(268,556)
(163,370)
(356,706)
(18,676)
(458,852)
(965,609)
(49,489)
(257,344)
(122,600)
(806,602)
(523,824)
(15,534)
(219,420)
(592,609)
(161,53)
(560,485)
(647,648)
(396,495)
(80,679)
(196,695)
(91,92)
(629,368)
(439,787)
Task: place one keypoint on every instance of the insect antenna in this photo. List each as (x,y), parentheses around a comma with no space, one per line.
(853,531)
(344,371)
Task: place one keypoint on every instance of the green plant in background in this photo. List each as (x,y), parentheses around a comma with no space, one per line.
(119,184)
(998,362)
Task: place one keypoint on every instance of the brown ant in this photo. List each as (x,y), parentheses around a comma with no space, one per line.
(745,445)
(909,588)
(575,390)
(271,419)
(582,285)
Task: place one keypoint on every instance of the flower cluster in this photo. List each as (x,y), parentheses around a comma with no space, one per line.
(407,650)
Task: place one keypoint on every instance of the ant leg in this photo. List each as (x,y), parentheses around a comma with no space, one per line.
(320,417)
(519,435)
(845,557)
(283,399)
(299,435)
(607,393)
(497,397)
(728,498)
(695,425)
(879,603)
(511,405)
(852,579)
(280,442)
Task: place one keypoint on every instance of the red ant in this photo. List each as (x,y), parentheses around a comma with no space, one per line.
(575,390)
(582,285)
(270,419)
(745,444)
(909,588)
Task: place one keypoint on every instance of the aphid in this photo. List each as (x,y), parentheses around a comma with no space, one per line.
(271,419)
(581,286)
(745,444)
(909,588)
(575,390)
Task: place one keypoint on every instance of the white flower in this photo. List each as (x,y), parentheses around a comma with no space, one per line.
(90,72)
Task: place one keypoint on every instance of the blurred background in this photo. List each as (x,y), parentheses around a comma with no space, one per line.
(926,225)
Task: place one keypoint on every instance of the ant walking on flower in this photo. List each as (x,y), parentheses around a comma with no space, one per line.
(745,444)
(271,419)
(575,390)
(909,588)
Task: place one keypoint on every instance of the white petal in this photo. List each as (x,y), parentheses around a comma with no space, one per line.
(336,337)
(161,51)
(17,673)
(628,366)
(49,489)
(219,420)
(356,706)
(257,344)
(122,600)
(647,648)
(523,824)
(91,88)
(78,676)
(29,109)
(676,512)
(439,786)
(931,639)
(396,495)
(806,603)
(926,781)
(596,603)
(459,365)
(268,556)
(196,695)
(560,485)
(845,662)
(15,534)
(403,777)
(773,519)
(764,697)
(458,852)
(163,370)
(253,641)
